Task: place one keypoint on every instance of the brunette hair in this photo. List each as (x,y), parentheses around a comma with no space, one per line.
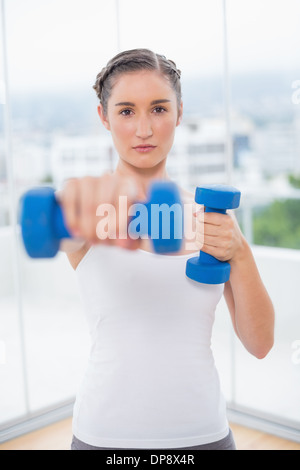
(132,61)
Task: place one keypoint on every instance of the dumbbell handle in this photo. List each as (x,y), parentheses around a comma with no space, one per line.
(205,257)
(42,222)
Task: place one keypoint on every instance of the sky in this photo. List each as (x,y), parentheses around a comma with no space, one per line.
(57,44)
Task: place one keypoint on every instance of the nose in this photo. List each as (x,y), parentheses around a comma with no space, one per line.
(144,127)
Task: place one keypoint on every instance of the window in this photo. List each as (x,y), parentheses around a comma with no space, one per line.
(263,53)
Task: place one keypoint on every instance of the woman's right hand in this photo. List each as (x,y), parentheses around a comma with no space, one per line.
(96,209)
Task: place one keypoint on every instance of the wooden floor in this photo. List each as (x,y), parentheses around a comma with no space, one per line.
(58,437)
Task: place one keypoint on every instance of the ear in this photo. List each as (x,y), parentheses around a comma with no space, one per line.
(179,119)
(103,117)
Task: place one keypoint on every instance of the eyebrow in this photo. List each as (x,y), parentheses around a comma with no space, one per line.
(129,103)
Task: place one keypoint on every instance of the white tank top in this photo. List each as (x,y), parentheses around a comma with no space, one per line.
(151,380)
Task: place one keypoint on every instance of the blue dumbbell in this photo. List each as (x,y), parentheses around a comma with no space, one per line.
(43,227)
(205,268)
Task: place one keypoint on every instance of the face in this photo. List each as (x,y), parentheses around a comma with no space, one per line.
(142,115)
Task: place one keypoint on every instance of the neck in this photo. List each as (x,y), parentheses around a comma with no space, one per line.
(142,176)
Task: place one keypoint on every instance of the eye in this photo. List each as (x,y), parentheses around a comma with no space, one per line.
(159,110)
(126,112)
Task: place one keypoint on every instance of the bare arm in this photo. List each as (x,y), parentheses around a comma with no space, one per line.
(249,304)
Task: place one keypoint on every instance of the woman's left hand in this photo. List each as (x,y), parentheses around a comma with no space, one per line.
(219,235)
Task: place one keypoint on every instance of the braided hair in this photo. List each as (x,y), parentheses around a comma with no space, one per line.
(132,61)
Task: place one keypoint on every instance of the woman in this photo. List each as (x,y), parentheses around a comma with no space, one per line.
(151,381)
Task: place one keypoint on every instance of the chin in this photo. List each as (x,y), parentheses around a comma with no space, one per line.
(144,163)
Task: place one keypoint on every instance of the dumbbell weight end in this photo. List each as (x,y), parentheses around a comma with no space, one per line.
(165,217)
(205,273)
(41,238)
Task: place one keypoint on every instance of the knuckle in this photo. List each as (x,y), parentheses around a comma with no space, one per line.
(70,182)
(86,183)
(89,208)
(69,191)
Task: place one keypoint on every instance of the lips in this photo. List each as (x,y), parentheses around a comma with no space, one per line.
(144,148)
